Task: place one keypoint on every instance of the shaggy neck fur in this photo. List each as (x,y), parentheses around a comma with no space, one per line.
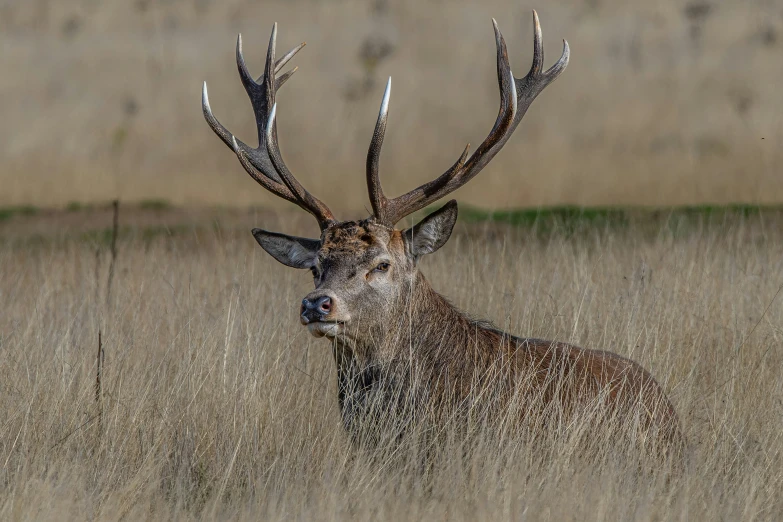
(433,356)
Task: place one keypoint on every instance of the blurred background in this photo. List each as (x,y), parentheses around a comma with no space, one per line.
(664,103)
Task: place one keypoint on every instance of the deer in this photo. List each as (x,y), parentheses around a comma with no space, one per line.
(399,346)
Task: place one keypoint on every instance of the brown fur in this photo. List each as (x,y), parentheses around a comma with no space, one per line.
(405,349)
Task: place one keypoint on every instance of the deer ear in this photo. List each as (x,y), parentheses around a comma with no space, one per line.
(296,252)
(432,232)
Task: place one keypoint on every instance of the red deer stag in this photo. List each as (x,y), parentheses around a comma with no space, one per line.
(397,342)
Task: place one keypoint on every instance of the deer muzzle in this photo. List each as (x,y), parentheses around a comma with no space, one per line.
(315,309)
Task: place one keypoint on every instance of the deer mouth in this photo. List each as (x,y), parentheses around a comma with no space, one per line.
(326,328)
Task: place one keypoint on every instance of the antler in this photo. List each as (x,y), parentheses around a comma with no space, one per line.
(265,163)
(516,96)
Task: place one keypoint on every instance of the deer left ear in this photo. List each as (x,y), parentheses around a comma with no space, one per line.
(432,232)
(296,252)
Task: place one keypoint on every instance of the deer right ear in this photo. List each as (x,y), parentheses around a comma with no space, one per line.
(296,252)
(432,232)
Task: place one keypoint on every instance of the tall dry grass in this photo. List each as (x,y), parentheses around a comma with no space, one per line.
(216,404)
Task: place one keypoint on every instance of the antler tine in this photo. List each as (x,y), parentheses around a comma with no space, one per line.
(516,96)
(306,200)
(280,80)
(262,177)
(377,199)
(279,64)
(506,84)
(535,81)
(538,47)
(271,186)
(460,172)
(222,132)
(258,161)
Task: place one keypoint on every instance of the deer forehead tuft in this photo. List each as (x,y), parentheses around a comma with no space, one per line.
(353,237)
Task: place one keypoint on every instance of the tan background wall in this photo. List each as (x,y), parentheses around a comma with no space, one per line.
(664,102)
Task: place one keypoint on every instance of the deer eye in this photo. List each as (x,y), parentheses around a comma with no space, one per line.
(314,271)
(382,267)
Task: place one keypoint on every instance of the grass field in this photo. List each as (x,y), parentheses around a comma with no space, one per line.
(216,404)
(166,376)
(664,103)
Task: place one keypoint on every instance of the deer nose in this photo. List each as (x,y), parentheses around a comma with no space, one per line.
(315,309)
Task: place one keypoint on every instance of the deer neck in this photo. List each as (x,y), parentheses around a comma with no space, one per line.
(435,352)
(428,327)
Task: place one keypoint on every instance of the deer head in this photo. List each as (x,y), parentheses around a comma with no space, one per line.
(364,271)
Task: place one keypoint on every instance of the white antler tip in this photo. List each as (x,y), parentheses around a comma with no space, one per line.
(386,95)
(205,98)
(385,102)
